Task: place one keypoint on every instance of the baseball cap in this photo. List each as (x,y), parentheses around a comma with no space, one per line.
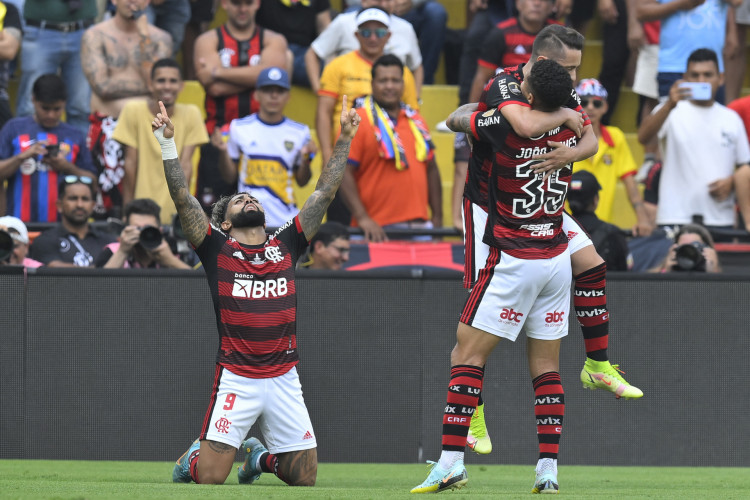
(373,14)
(591,87)
(272,76)
(18,226)
(583,187)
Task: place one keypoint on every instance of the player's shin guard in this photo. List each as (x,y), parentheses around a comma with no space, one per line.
(590,302)
(463,393)
(549,408)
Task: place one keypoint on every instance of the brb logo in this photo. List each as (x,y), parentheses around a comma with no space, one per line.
(509,316)
(554,317)
(249,289)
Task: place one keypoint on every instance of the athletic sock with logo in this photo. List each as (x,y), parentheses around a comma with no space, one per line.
(463,394)
(590,302)
(549,408)
(193,465)
(269,463)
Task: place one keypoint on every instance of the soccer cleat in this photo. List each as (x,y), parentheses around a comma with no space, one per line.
(546,477)
(603,375)
(441,479)
(181,471)
(250,471)
(478,439)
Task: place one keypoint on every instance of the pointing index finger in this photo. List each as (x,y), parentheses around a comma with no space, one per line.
(163,110)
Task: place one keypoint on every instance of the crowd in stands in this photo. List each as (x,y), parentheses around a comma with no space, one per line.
(107,64)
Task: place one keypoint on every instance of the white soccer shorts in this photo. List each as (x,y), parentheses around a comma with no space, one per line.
(276,403)
(512,295)
(476,251)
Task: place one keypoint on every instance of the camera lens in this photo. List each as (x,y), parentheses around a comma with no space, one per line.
(689,257)
(6,245)
(150,237)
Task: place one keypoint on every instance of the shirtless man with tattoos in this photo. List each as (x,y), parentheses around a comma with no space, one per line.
(251,276)
(116,57)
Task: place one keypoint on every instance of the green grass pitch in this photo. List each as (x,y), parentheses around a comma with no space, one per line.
(45,479)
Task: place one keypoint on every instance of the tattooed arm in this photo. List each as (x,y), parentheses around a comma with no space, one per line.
(330,179)
(153,44)
(192,218)
(460,120)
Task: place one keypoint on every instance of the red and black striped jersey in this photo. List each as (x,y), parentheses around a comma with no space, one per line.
(255,301)
(501,91)
(508,45)
(234,53)
(525,210)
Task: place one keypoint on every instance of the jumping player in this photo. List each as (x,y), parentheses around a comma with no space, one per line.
(251,276)
(524,284)
(563,45)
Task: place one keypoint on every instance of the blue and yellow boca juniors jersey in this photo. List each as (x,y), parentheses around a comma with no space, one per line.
(268,155)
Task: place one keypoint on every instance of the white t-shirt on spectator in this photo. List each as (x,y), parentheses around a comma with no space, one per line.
(699,145)
(338,38)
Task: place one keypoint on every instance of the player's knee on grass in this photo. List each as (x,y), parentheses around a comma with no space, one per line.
(215,462)
(299,468)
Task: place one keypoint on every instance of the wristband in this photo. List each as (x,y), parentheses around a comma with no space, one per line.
(168,146)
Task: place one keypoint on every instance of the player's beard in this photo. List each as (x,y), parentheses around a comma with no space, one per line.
(253,218)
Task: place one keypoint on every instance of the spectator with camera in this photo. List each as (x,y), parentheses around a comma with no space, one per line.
(693,250)
(702,143)
(141,243)
(37,151)
(14,243)
(72,243)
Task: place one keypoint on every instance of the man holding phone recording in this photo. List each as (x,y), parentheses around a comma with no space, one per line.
(702,144)
(37,151)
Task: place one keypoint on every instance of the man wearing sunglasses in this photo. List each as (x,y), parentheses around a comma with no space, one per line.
(73,242)
(37,151)
(613,162)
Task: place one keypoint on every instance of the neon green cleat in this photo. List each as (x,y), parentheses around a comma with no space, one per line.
(603,375)
(478,440)
(546,477)
(441,479)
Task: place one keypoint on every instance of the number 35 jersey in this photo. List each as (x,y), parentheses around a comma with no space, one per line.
(524,209)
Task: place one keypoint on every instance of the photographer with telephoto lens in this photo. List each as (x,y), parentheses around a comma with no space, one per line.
(141,243)
(693,250)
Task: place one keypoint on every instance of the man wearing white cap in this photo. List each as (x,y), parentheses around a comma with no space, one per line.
(339,38)
(19,237)
(351,75)
(266,151)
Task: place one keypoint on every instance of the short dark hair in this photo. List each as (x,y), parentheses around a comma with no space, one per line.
(387,60)
(219,209)
(49,88)
(62,186)
(329,232)
(550,84)
(166,62)
(142,206)
(703,55)
(553,40)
